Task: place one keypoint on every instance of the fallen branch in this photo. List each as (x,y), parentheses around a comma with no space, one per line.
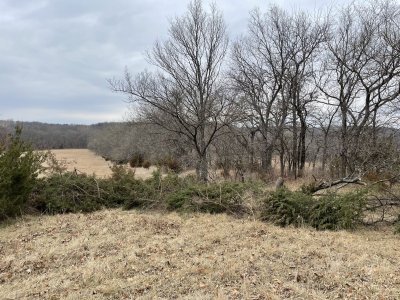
(390,180)
(345,181)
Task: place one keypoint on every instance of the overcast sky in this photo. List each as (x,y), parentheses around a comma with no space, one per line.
(55,55)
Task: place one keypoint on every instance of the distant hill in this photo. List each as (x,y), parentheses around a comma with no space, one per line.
(50,136)
(116,141)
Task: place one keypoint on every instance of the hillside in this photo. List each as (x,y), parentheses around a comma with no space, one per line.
(126,254)
(50,136)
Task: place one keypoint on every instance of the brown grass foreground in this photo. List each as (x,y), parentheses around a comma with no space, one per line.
(131,255)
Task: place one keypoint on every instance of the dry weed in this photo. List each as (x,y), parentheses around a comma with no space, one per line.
(131,255)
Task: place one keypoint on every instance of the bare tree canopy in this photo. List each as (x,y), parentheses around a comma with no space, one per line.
(297,87)
(362,72)
(186,95)
(272,68)
(259,65)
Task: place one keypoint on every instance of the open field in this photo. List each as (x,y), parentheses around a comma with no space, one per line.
(86,161)
(126,254)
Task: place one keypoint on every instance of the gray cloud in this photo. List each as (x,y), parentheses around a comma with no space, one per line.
(56,55)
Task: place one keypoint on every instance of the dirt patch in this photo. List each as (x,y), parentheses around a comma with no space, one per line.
(126,254)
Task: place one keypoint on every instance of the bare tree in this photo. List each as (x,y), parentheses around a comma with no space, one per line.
(186,95)
(259,64)
(306,36)
(273,68)
(324,121)
(363,70)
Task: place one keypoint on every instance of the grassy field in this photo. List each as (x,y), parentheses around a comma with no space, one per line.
(86,161)
(115,254)
(130,255)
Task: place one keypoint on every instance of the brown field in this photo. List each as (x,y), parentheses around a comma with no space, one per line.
(86,161)
(130,255)
(114,254)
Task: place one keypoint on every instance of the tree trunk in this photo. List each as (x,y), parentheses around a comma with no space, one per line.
(202,168)
(202,165)
(266,152)
(374,131)
(302,147)
(314,161)
(294,144)
(344,139)
(252,161)
(266,160)
(282,159)
(324,153)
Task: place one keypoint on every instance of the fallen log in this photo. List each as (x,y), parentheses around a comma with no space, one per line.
(322,185)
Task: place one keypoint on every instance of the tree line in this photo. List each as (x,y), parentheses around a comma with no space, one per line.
(48,136)
(114,141)
(298,86)
(296,91)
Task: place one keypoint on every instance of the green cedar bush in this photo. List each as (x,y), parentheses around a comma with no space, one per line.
(19,170)
(284,207)
(71,193)
(332,211)
(337,211)
(212,198)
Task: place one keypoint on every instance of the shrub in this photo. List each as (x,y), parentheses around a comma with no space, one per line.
(124,188)
(284,207)
(53,165)
(106,158)
(153,191)
(19,170)
(121,161)
(146,164)
(336,211)
(71,193)
(212,198)
(171,164)
(333,211)
(309,188)
(136,160)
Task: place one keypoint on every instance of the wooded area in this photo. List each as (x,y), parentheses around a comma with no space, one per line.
(309,88)
(298,91)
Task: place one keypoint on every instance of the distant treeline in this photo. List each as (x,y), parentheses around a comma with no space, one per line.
(117,141)
(233,150)
(50,136)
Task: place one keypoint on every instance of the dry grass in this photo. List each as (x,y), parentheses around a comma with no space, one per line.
(86,161)
(132,255)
